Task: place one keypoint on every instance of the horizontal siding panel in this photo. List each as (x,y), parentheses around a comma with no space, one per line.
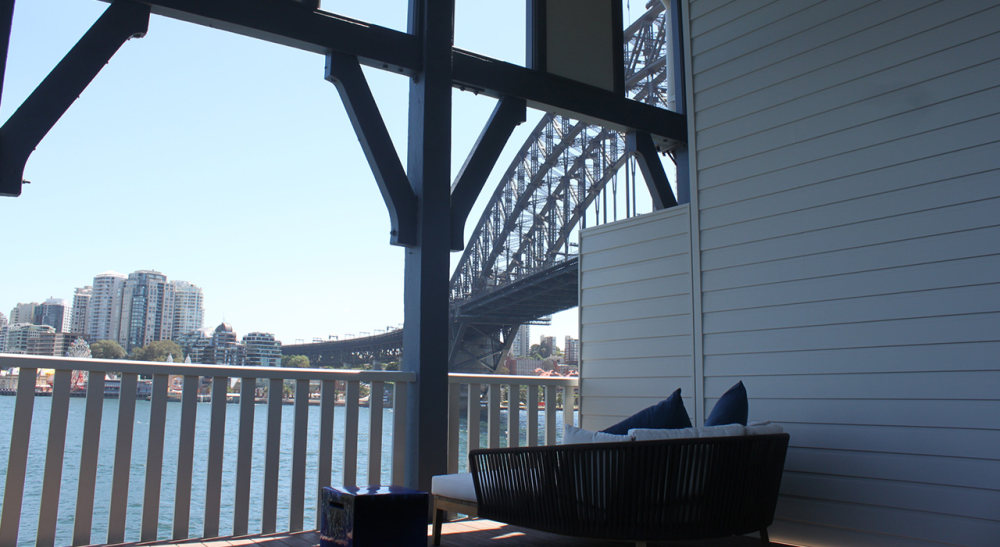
(956,443)
(627,253)
(637,328)
(838,66)
(798,533)
(932,303)
(923,277)
(635,290)
(940,248)
(946,529)
(940,220)
(663,346)
(957,385)
(866,213)
(640,367)
(965,472)
(623,406)
(860,32)
(655,388)
(651,226)
(923,358)
(948,500)
(935,412)
(896,152)
(724,14)
(809,110)
(636,309)
(638,271)
(929,119)
(938,169)
(903,332)
(699,8)
(762,27)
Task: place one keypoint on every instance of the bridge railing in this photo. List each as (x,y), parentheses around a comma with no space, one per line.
(59,379)
(494,410)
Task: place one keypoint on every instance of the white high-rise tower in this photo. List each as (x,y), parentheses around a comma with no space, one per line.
(147,309)
(104,312)
(189,311)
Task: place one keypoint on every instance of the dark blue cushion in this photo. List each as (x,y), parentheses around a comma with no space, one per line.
(666,414)
(731,408)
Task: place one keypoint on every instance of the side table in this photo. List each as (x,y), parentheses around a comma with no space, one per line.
(370,516)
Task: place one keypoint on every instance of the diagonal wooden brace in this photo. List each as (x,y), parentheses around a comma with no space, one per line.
(508,114)
(641,145)
(344,72)
(52,98)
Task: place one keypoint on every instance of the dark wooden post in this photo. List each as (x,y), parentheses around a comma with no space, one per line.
(425,297)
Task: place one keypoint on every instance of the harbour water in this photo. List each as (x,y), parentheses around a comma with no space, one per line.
(102,501)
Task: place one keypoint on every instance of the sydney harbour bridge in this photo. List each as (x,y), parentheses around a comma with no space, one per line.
(521,264)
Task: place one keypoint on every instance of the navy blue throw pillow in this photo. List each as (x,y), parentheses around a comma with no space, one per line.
(731,408)
(666,414)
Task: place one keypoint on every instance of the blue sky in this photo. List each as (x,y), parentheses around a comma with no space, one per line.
(227,162)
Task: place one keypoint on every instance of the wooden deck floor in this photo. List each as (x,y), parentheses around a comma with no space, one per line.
(459,533)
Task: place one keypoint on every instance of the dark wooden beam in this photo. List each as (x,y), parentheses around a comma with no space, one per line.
(507,115)
(344,71)
(49,101)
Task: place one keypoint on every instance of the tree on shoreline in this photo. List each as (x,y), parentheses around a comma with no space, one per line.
(107,349)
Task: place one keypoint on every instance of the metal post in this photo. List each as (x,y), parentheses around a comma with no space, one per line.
(425,336)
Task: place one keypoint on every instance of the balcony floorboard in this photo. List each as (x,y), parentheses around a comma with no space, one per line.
(458,533)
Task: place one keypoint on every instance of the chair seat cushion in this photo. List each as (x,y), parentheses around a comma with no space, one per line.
(457,486)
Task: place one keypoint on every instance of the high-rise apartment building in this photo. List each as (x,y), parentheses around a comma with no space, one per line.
(262,350)
(54,312)
(104,312)
(22,337)
(522,341)
(571,351)
(189,311)
(225,348)
(3,320)
(81,301)
(147,309)
(23,313)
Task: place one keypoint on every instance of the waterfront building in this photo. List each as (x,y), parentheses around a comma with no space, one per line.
(23,313)
(196,346)
(104,310)
(262,350)
(3,338)
(188,309)
(54,312)
(571,350)
(26,338)
(147,309)
(3,320)
(81,301)
(225,348)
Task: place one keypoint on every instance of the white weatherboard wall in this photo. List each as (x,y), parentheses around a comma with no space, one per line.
(846,225)
(635,315)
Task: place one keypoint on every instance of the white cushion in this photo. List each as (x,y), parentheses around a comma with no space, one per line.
(575,435)
(728,430)
(457,485)
(764,428)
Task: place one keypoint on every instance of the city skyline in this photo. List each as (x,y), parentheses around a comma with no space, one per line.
(191,153)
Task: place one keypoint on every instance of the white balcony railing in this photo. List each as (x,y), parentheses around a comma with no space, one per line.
(217,473)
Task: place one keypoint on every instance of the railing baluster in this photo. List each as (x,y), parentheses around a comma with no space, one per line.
(569,401)
(453,402)
(351,433)
(185,457)
(401,391)
(550,415)
(513,415)
(216,447)
(493,421)
(123,458)
(532,415)
(297,510)
(17,457)
(244,456)
(54,451)
(88,459)
(269,511)
(375,405)
(327,404)
(472,418)
(154,459)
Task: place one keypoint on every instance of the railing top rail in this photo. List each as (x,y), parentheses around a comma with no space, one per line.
(193,369)
(463,378)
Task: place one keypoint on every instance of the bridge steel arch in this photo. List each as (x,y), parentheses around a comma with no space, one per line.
(562,168)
